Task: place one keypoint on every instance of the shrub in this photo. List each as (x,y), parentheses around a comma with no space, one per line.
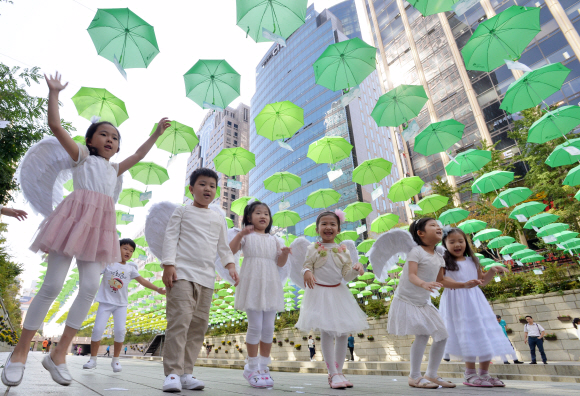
(274,339)
(551,336)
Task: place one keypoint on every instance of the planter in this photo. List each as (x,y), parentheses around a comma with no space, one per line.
(274,339)
(565,318)
(317,338)
(304,338)
(523,321)
(223,343)
(279,343)
(360,335)
(240,351)
(286,340)
(291,342)
(551,337)
(508,330)
(229,343)
(370,338)
(297,347)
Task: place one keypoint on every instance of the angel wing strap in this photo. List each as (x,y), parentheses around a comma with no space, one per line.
(385,252)
(156,224)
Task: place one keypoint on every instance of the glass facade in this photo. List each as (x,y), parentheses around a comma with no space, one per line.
(346,12)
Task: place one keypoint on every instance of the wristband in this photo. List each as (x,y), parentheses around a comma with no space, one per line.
(304,271)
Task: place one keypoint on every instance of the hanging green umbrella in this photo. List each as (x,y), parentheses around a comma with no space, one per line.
(176,139)
(405,188)
(554,124)
(487,234)
(571,243)
(487,267)
(468,161)
(512,248)
(146,274)
(365,245)
(234,161)
(153,267)
(69,185)
(281,18)
(527,209)
(552,229)
(486,261)
(119,33)
(282,182)
(285,218)
(438,137)
(119,215)
(99,102)
(499,242)
(345,64)
(565,236)
(371,171)
(130,197)
(511,196)
(329,150)
(239,205)
(141,241)
(384,222)
(572,178)
(532,258)
(393,282)
(432,203)
(454,215)
(188,193)
(479,256)
(280,120)
(213,82)
(310,230)
(395,270)
(504,36)
(534,87)
(430,7)
(229,222)
(491,181)
(560,156)
(357,211)
(399,105)
(323,198)
(149,173)
(346,236)
(80,139)
(363,259)
(540,220)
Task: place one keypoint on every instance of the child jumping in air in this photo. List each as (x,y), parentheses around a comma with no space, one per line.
(113,298)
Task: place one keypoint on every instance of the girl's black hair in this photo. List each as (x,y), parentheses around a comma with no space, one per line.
(91,131)
(576,322)
(416,226)
(127,241)
(328,213)
(450,261)
(249,210)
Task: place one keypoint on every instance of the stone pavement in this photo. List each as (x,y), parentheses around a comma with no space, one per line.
(145,378)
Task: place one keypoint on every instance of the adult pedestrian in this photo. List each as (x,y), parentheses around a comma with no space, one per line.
(534,336)
(44,345)
(350,341)
(311,348)
(108,351)
(48,345)
(503,324)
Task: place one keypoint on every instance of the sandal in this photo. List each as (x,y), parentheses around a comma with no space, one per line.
(335,385)
(345,381)
(422,383)
(496,382)
(475,380)
(442,382)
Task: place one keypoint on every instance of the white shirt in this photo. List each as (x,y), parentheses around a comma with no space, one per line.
(534,330)
(192,238)
(114,285)
(94,173)
(310,343)
(427,269)
(330,273)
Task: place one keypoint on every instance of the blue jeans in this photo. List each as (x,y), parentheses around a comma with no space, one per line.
(539,342)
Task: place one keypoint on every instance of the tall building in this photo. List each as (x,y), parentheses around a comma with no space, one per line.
(346,13)
(425,51)
(219,130)
(286,73)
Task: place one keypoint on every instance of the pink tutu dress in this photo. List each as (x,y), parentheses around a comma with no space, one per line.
(83,225)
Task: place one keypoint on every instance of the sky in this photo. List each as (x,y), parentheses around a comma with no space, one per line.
(52,35)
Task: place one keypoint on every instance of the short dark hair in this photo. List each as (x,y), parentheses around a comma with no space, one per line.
(127,241)
(576,322)
(416,226)
(310,336)
(91,131)
(498,316)
(328,213)
(202,172)
(450,261)
(249,209)
(529,316)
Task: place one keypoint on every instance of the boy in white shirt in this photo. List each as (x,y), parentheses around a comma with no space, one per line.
(193,236)
(534,337)
(113,298)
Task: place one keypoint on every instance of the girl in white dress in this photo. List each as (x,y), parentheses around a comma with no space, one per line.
(328,305)
(259,291)
(472,326)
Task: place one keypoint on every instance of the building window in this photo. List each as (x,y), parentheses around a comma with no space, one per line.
(233,196)
(225,205)
(233,217)
(235,134)
(235,126)
(246,115)
(229,123)
(235,142)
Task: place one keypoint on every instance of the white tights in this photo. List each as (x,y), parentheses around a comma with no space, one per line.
(334,351)
(56,270)
(435,356)
(260,327)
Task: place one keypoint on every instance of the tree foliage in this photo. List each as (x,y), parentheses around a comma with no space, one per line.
(9,285)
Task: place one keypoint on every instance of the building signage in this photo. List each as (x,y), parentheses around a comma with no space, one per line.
(272,54)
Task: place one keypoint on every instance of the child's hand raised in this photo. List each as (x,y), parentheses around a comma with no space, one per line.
(162,125)
(54,83)
(431,286)
(286,251)
(358,267)
(247,230)
(472,283)
(309,279)
(497,269)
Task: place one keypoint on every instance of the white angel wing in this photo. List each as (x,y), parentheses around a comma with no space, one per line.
(352,250)
(386,250)
(156,224)
(296,260)
(118,188)
(219,267)
(285,270)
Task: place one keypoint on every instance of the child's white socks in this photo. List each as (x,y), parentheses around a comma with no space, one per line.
(264,362)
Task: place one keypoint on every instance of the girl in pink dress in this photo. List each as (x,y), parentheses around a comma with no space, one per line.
(81,226)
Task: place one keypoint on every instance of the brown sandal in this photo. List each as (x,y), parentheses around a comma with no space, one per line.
(422,383)
(441,381)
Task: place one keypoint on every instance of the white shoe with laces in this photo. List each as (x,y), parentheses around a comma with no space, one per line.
(12,373)
(59,374)
(188,381)
(91,364)
(172,383)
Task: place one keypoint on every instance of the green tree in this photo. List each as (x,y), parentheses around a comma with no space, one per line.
(9,285)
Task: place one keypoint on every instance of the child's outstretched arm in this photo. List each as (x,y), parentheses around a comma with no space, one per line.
(150,285)
(283,257)
(414,279)
(54,87)
(449,283)
(485,279)
(142,151)
(236,243)
(16,213)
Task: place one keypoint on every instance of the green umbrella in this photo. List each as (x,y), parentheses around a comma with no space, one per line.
(487,234)
(405,188)
(357,211)
(329,150)
(280,120)
(386,289)
(285,218)
(522,253)
(282,182)
(399,105)
(80,139)
(504,36)
(384,222)
(454,215)
(119,33)
(119,215)
(146,274)
(176,139)
(395,270)
(234,161)
(532,258)
(141,241)
(552,229)
(527,209)
(468,161)
(487,267)
(149,173)
(188,193)
(571,243)
(479,255)
(69,185)
(153,267)
(534,87)
(393,282)
(229,222)
(432,203)
(554,124)
(310,230)
(485,261)
(363,259)
(365,245)
(491,181)
(371,171)
(512,248)
(99,102)
(130,197)
(572,178)
(430,7)
(565,236)
(512,196)
(346,236)
(212,82)
(501,241)
(345,64)
(561,157)
(540,220)
(239,205)
(281,18)
(359,285)
(438,137)
(323,198)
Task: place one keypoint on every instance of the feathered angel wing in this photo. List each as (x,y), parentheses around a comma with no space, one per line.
(285,270)
(296,260)
(219,267)
(352,250)
(156,224)
(385,252)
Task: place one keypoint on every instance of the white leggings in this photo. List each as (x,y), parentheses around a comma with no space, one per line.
(334,351)
(57,268)
(260,327)
(435,356)
(105,310)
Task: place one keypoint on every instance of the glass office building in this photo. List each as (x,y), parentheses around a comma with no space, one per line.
(346,13)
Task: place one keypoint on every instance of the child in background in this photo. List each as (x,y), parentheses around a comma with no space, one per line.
(503,325)
(113,298)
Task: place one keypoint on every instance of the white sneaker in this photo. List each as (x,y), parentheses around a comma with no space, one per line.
(268,380)
(172,383)
(91,364)
(254,378)
(188,381)
(12,373)
(116,366)
(59,373)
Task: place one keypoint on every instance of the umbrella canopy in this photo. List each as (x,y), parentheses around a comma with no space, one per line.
(345,64)
(485,261)
(282,18)
(91,102)
(572,178)
(234,161)
(212,81)
(130,197)
(141,241)
(532,258)
(512,248)
(399,105)
(153,267)
(572,243)
(501,241)
(554,124)
(363,260)
(310,230)
(239,205)
(495,264)
(371,171)
(365,245)
(468,161)
(430,7)
(552,229)
(454,215)
(285,218)
(533,87)
(565,236)
(119,33)
(176,139)
(357,211)
(79,139)
(504,36)
(512,196)
(280,120)
(329,150)
(282,182)
(560,156)
(438,137)
(540,220)
(384,222)
(405,188)
(432,203)
(527,209)
(485,235)
(323,198)
(491,181)
(229,222)
(149,173)
(119,215)
(188,193)
(346,236)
